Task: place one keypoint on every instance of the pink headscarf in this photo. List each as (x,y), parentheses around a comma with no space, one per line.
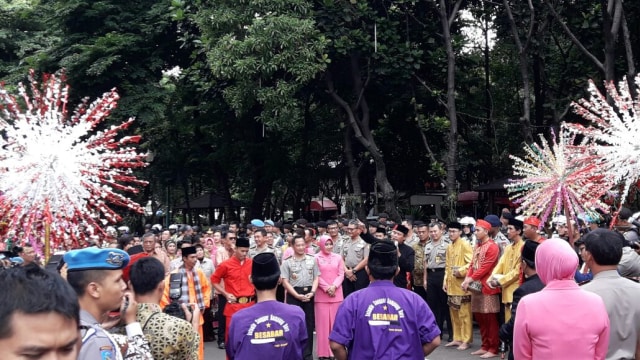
(322,241)
(555,260)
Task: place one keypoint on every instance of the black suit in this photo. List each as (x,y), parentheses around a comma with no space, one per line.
(406,262)
(531,285)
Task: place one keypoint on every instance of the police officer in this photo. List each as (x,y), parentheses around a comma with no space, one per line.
(354,253)
(435,256)
(300,279)
(260,244)
(96,276)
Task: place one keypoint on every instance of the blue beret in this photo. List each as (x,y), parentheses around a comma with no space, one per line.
(494,220)
(257,223)
(269,222)
(93,258)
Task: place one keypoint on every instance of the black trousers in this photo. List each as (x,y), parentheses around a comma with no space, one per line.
(362,281)
(420,290)
(280,293)
(207,327)
(437,300)
(309,319)
(222,321)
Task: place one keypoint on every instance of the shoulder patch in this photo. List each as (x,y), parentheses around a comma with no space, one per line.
(106,354)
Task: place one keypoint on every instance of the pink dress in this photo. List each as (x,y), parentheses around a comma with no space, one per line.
(562,321)
(331,273)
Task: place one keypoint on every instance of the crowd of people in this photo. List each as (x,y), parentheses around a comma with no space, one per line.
(375,290)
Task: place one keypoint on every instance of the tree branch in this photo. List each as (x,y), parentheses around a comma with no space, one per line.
(454,13)
(575,40)
(345,106)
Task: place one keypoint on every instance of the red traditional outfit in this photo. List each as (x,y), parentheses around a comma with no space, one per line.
(236,282)
(486,304)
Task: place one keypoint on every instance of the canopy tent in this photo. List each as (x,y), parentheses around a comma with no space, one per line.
(323,205)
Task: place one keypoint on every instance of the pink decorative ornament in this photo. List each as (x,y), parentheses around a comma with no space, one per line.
(563,178)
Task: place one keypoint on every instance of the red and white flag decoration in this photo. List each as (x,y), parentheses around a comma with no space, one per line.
(61,169)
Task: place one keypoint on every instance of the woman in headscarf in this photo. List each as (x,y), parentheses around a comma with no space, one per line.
(172,249)
(562,321)
(329,295)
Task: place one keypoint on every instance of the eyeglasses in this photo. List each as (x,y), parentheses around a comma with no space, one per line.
(232,238)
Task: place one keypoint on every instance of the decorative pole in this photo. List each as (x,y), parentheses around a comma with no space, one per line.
(47,241)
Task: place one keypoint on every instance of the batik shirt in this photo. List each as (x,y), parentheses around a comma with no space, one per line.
(171,338)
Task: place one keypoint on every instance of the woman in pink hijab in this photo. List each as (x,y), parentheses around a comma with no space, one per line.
(562,321)
(329,295)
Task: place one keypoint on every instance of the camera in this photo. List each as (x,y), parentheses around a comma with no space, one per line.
(175,293)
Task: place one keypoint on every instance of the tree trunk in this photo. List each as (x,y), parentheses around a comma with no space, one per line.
(358,119)
(523,53)
(353,172)
(452,141)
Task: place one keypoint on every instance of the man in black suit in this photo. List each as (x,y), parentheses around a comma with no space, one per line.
(531,284)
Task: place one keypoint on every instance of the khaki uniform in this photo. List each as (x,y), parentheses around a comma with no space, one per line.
(300,273)
(354,252)
(253,250)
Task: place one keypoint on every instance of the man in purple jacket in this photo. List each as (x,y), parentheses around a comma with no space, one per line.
(383,321)
(269,329)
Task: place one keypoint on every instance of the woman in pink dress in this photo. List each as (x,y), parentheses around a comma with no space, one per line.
(329,294)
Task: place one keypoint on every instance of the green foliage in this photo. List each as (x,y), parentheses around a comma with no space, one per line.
(267,50)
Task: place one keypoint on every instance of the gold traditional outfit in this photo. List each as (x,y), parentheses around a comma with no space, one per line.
(458,255)
(507,273)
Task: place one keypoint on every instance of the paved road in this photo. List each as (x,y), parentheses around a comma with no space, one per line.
(441,353)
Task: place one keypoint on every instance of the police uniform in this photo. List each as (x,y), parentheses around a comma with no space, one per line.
(97,343)
(301,274)
(353,252)
(435,257)
(254,250)
(339,243)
